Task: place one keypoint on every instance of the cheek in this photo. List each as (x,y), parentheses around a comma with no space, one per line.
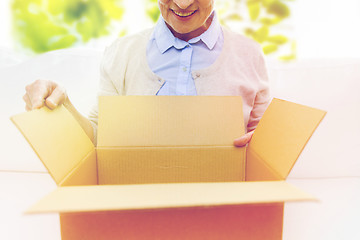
(163,6)
(163,11)
(208,5)
(163,2)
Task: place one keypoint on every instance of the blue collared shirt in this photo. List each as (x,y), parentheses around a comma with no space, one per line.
(173,59)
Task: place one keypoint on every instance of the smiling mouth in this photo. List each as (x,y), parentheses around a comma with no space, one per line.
(183,14)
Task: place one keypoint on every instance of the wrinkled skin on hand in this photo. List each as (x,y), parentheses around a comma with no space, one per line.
(42,93)
(243,140)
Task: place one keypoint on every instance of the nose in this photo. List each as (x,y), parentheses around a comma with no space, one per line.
(183,4)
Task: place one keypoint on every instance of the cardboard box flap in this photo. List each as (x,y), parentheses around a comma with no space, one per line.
(282,133)
(154,196)
(56,137)
(169,120)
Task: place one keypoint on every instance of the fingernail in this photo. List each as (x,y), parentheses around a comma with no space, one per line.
(37,105)
(52,102)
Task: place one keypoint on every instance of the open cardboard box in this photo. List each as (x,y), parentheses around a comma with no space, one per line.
(166,168)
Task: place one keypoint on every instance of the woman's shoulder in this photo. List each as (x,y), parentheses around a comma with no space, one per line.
(239,42)
(131,40)
(128,46)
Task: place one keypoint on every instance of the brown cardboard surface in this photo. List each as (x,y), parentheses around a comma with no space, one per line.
(281,135)
(250,222)
(259,170)
(152,196)
(85,172)
(167,140)
(170,164)
(169,121)
(56,137)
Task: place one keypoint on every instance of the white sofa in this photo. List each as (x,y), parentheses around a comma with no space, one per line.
(328,168)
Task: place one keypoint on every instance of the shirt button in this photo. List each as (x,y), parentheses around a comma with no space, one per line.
(184,69)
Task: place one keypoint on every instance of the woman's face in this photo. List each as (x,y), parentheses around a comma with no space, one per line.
(188,18)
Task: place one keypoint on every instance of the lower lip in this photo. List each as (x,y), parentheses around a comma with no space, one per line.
(183,18)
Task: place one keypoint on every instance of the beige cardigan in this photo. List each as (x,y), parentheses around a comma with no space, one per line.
(239,70)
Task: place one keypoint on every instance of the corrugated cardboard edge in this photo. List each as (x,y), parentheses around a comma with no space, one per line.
(162,196)
(48,111)
(312,122)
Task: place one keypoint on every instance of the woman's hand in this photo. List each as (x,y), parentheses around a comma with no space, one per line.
(47,93)
(44,93)
(243,140)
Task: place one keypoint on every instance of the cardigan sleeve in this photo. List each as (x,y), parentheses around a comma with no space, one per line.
(262,98)
(106,85)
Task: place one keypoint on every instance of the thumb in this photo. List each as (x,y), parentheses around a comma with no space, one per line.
(57,97)
(243,140)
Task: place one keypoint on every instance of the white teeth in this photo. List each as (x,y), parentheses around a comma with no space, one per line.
(181,14)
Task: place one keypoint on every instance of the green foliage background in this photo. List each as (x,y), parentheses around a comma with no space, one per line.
(261,20)
(44,25)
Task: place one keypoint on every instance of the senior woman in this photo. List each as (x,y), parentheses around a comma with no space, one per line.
(186,53)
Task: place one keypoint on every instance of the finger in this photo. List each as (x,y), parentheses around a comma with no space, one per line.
(57,97)
(27,101)
(243,140)
(37,102)
(27,108)
(37,92)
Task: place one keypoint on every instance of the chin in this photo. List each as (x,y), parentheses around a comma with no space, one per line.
(182,30)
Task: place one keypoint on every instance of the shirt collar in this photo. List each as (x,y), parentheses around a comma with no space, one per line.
(165,39)
(211,35)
